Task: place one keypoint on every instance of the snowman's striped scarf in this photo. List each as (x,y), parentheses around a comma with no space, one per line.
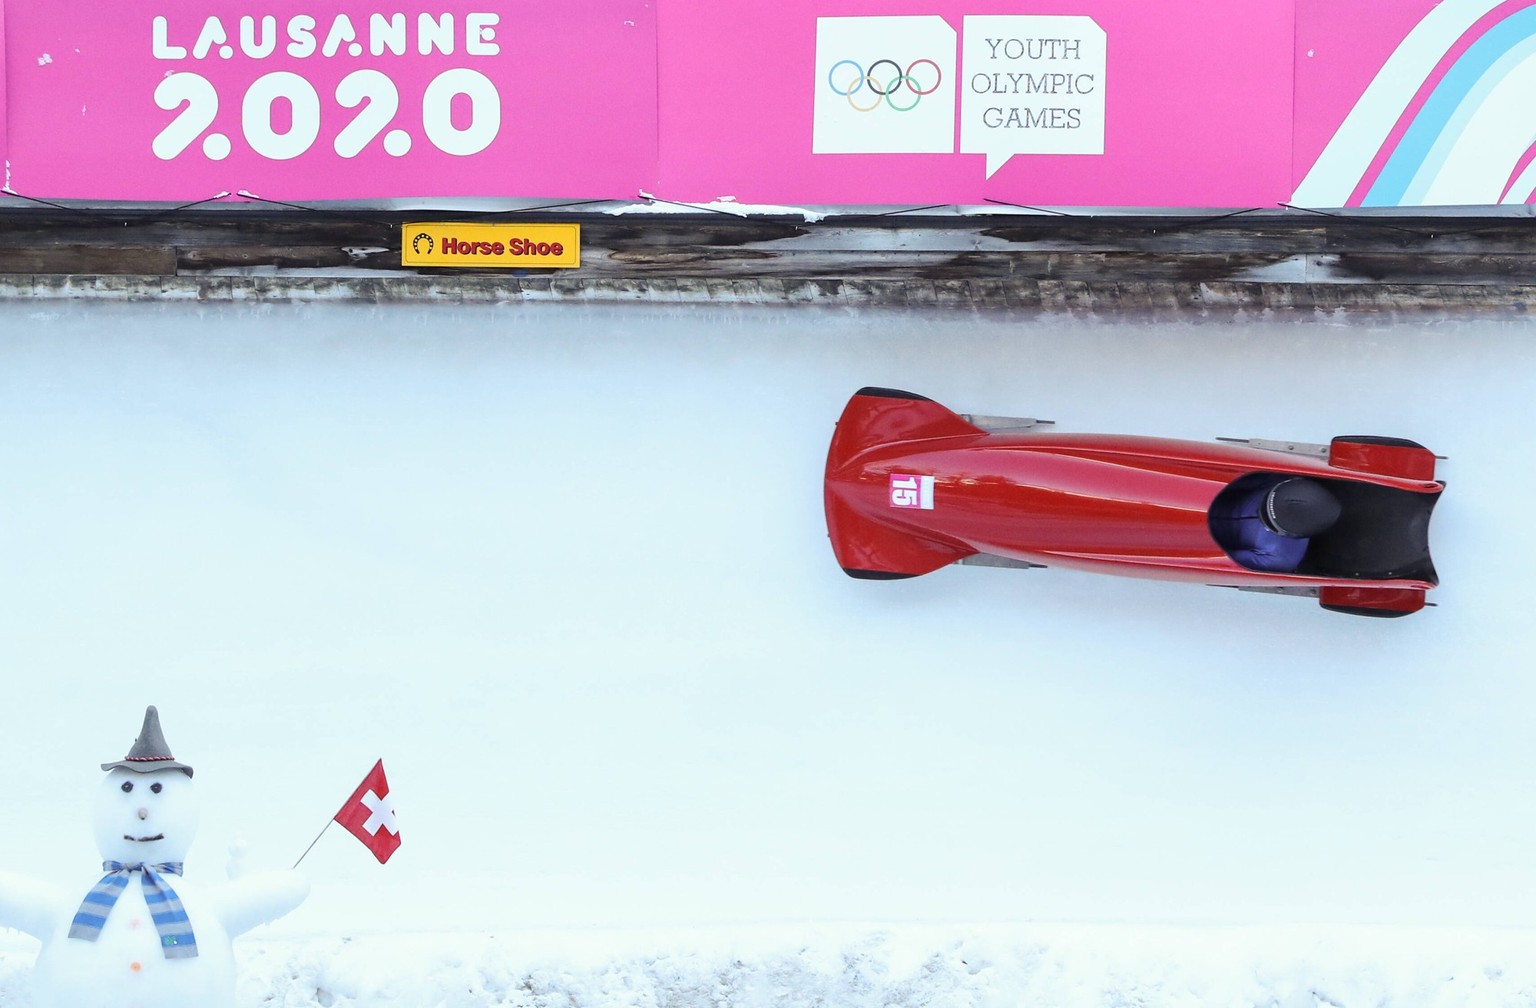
(176,938)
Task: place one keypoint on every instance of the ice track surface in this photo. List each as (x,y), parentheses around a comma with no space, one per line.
(564,569)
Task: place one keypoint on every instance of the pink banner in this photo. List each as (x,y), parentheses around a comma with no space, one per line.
(5,103)
(1409,103)
(1087,102)
(4,94)
(178,100)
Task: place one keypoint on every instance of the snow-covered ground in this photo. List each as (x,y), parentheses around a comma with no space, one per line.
(563,568)
(905,966)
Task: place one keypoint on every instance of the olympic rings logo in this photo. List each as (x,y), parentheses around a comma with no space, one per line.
(884,85)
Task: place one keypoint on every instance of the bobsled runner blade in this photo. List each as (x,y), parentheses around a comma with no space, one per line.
(1383,602)
(1385,456)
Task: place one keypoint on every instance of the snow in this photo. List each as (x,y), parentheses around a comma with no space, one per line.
(996,966)
(724,204)
(563,568)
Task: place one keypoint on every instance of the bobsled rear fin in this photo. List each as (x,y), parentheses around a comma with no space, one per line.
(872,550)
(1384,456)
(877,416)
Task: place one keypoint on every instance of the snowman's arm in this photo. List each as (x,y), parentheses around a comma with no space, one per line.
(257,898)
(30,906)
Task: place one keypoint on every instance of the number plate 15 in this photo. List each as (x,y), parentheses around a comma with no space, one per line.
(912,492)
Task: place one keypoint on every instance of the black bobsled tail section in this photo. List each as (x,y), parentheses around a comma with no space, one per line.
(1382,533)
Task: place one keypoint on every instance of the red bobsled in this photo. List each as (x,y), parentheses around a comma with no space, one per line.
(911,486)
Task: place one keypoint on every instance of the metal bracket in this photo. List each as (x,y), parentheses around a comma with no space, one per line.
(988,560)
(1288,447)
(1003,424)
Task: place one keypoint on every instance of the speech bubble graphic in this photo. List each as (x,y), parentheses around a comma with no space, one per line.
(1032,84)
(884,85)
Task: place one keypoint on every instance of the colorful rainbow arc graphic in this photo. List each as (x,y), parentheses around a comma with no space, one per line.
(1441,125)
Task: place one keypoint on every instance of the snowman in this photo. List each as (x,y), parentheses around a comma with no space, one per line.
(142,936)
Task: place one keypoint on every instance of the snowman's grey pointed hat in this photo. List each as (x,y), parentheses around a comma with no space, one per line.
(149,752)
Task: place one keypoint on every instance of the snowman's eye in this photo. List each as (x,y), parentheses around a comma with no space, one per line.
(155,787)
(127,786)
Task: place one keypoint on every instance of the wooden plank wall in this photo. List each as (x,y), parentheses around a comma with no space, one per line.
(1274,259)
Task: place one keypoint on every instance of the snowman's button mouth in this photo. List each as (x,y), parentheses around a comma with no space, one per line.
(144,839)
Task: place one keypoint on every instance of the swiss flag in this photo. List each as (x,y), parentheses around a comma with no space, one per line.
(369,815)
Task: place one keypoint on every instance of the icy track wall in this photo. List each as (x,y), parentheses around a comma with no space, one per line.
(1400,103)
(565,569)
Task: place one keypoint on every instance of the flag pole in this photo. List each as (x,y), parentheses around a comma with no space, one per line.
(314,841)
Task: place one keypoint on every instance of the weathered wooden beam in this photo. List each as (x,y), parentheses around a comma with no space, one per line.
(88,258)
(1296,260)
